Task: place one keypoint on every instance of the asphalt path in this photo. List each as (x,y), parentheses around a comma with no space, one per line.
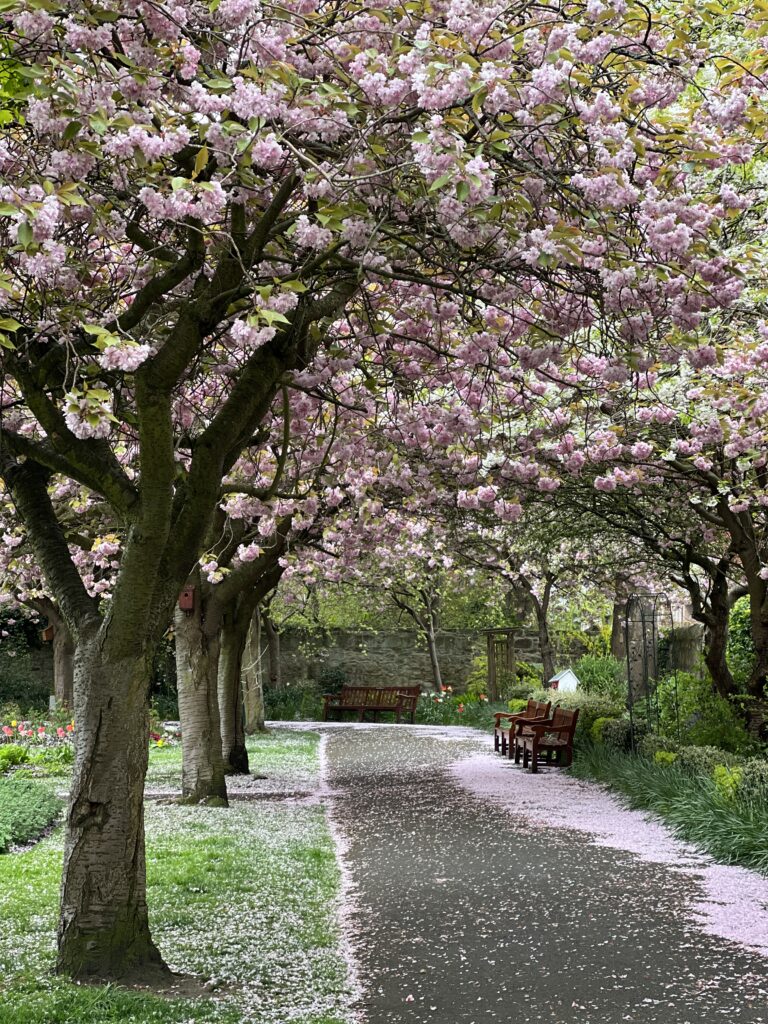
(465,911)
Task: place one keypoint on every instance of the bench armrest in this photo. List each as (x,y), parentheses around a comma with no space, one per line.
(539,728)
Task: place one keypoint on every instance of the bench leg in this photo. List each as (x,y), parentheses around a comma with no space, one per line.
(534,759)
(496,741)
(517,752)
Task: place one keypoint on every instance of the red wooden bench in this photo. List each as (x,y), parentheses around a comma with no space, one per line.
(552,739)
(506,723)
(401,701)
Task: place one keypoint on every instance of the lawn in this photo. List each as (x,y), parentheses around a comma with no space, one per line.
(244,897)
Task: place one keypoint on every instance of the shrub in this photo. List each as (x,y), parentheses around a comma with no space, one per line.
(601,675)
(592,707)
(741,648)
(527,675)
(332,678)
(55,760)
(726,780)
(753,785)
(665,757)
(26,810)
(300,701)
(652,743)
(11,754)
(703,760)
(706,718)
(596,732)
(517,705)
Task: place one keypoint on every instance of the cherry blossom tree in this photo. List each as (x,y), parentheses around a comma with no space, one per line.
(198,200)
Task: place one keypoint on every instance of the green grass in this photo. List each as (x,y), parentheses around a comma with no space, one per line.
(734,830)
(244,895)
(27,808)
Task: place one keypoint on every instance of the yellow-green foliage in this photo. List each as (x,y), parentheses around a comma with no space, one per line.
(727,780)
(596,732)
(517,705)
(665,757)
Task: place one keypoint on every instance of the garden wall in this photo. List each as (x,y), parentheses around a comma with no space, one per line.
(396,657)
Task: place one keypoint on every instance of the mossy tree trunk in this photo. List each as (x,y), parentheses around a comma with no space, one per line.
(252,679)
(197,668)
(104,926)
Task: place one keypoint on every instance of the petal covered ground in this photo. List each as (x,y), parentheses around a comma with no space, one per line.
(478,892)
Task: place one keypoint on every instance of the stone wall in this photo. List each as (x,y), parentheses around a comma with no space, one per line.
(388,657)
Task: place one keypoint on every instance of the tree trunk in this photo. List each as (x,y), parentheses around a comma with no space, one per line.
(63,665)
(618,629)
(253,690)
(197,662)
(273,647)
(104,928)
(437,676)
(716,637)
(234,635)
(546,649)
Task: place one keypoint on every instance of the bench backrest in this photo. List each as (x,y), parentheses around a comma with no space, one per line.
(381,696)
(540,708)
(567,720)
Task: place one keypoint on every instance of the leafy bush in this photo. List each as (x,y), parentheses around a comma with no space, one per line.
(703,760)
(596,732)
(300,701)
(592,707)
(741,649)
(11,754)
(26,810)
(665,757)
(602,675)
(517,705)
(332,678)
(726,780)
(652,743)
(706,718)
(753,785)
(527,675)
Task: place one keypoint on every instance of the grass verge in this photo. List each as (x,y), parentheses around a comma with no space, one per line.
(243,895)
(733,829)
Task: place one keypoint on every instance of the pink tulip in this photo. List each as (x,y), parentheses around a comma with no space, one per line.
(61,733)
(8,730)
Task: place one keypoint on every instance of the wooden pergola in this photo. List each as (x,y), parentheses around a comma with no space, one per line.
(501,656)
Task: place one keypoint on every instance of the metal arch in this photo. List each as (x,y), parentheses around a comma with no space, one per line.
(641,629)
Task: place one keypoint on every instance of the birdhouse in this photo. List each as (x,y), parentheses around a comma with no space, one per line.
(47,634)
(187,600)
(564,682)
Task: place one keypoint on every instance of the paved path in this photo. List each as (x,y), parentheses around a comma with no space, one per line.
(465,912)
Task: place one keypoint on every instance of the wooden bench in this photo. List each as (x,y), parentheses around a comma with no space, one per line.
(552,739)
(506,723)
(399,700)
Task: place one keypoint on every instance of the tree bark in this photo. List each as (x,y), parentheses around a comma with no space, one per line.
(63,665)
(253,690)
(437,676)
(273,648)
(716,637)
(104,927)
(197,662)
(234,635)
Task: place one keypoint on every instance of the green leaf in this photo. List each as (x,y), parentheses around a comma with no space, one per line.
(71,130)
(5,342)
(24,233)
(200,161)
(9,324)
(442,180)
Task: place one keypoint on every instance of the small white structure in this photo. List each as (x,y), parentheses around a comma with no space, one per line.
(564,682)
